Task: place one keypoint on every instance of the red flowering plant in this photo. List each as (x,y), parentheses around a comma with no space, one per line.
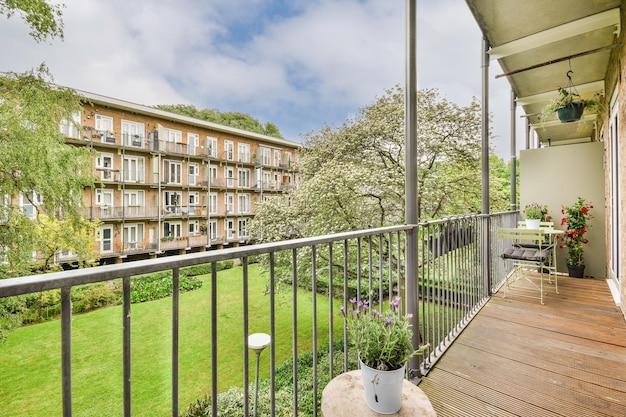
(576,219)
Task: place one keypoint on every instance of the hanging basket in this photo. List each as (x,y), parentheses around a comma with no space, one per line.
(571,112)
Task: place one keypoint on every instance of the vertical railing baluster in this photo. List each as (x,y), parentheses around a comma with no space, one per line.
(246,377)
(126,345)
(294,303)
(381,285)
(331,297)
(345,304)
(370,272)
(358,269)
(66,349)
(175,327)
(214,338)
(390,263)
(314,309)
(273,336)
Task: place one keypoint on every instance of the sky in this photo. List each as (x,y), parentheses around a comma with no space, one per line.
(299,64)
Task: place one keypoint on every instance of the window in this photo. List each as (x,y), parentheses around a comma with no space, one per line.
(194,171)
(213,230)
(173,229)
(242,228)
(213,175)
(104,197)
(105,236)
(229,174)
(104,164)
(243,152)
(265,156)
(194,227)
(287,157)
(132,236)
(194,203)
(229,150)
(173,136)
(172,201)
(266,180)
(133,133)
(213,203)
(172,172)
(229,228)
(104,123)
(211,144)
(244,178)
(193,141)
(244,203)
(134,203)
(229,201)
(71,128)
(30,203)
(133,169)
(276,158)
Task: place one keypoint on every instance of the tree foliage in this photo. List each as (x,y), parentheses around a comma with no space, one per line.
(233,119)
(40,169)
(41,16)
(352,177)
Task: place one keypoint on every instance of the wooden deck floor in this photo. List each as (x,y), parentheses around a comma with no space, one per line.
(519,358)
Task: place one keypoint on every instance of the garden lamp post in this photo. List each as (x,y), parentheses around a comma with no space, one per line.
(257,342)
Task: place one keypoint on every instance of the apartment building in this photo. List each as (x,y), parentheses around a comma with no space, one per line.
(170,184)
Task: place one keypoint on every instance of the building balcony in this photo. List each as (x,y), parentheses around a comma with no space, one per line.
(511,352)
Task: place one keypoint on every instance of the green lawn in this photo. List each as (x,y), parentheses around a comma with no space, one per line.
(31,361)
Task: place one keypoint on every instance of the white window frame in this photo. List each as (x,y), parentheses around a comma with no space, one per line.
(193,141)
(194,202)
(243,203)
(172,201)
(194,227)
(229,175)
(243,152)
(174,229)
(71,128)
(265,155)
(105,163)
(229,150)
(194,171)
(134,202)
(276,157)
(212,203)
(172,171)
(173,136)
(212,229)
(229,202)
(133,133)
(229,228)
(106,244)
(30,209)
(242,228)
(104,197)
(104,123)
(243,176)
(132,235)
(211,144)
(134,169)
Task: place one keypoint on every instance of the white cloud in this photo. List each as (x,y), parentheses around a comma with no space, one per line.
(299,64)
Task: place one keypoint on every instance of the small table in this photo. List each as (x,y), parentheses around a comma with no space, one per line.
(344,396)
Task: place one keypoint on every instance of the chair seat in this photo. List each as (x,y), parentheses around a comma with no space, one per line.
(525,254)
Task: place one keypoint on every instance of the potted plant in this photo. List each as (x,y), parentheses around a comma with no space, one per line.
(576,219)
(569,106)
(383,343)
(534,214)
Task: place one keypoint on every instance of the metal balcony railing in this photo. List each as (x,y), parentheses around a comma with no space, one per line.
(454,262)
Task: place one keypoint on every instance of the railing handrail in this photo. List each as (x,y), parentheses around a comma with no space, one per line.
(56,280)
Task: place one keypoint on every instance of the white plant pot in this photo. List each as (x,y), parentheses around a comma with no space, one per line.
(532,223)
(383,389)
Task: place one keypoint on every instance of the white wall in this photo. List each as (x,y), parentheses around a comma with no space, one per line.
(557,176)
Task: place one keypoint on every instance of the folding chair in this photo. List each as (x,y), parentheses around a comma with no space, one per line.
(527,250)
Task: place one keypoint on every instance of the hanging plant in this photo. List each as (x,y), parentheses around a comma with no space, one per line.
(569,106)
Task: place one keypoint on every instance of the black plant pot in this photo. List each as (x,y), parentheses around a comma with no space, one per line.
(571,112)
(576,271)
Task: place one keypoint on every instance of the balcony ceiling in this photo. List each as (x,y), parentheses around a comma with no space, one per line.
(536,42)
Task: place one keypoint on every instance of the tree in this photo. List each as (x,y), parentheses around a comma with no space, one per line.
(233,119)
(39,169)
(43,18)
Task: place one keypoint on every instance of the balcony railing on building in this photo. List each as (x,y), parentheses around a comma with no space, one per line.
(457,274)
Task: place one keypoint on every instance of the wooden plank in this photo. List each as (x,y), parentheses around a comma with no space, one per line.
(518,357)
